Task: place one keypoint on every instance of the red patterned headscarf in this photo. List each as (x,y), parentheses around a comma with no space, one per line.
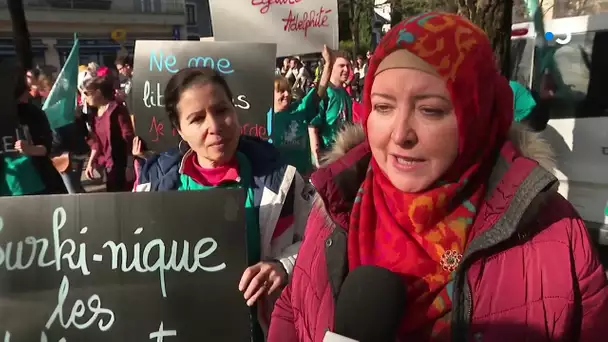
(422,236)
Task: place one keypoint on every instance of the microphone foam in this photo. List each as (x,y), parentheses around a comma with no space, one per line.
(370,305)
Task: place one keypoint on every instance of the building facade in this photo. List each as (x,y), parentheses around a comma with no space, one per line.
(52,24)
(198,19)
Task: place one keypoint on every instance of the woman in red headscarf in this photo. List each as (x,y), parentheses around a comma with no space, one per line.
(438,188)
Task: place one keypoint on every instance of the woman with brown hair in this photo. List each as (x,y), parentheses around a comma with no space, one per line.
(111,134)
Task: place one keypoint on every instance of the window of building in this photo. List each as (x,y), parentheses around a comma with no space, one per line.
(191,14)
(81,4)
(147,6)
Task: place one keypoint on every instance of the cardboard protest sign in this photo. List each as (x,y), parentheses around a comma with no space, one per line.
(123,267)
(10,130)
(296,26)
(248,69)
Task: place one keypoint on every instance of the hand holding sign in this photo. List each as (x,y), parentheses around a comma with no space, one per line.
(10,130)
(260,279)
(24,147)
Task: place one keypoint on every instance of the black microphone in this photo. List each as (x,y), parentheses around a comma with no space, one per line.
(370,305)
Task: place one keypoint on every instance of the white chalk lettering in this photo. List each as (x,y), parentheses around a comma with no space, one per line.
(241,102)
(153,256)
(59,220)
(43,338)
(79,311)
(15,261)
(160,264)
(153,98)
(162,333)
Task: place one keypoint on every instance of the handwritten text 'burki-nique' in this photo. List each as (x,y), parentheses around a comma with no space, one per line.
(296,21)
(153,93)
(153,257)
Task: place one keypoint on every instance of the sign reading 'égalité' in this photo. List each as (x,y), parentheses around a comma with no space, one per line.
(123,267)
(247,67)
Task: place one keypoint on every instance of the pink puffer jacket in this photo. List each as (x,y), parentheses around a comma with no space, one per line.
(529,273)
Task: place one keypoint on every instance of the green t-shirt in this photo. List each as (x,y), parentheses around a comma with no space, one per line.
(334,111)
(290,132)
(20,176)
(523,102)
(254,248)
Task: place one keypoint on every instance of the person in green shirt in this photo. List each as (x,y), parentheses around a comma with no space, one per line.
(523,101)
(27,169)
(292,118)
(335,109)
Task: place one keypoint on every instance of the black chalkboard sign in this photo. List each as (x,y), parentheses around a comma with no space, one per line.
(248,68)
(123,267)
(9,123)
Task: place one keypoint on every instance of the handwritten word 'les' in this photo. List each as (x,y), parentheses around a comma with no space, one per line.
(161,62)
(79,310)
(266,4)
(312,19)
(158,128)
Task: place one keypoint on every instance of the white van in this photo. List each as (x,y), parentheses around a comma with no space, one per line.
(578,128)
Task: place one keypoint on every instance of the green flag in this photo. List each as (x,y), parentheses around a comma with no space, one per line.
(61,102)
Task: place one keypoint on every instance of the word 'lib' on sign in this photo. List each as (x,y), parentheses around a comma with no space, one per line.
(296,21)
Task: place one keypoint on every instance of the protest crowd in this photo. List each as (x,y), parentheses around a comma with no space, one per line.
(399,195)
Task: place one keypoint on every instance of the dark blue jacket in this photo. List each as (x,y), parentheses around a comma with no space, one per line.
(284,200)
(268,169)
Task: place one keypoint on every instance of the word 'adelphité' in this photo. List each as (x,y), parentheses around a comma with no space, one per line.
(153,257)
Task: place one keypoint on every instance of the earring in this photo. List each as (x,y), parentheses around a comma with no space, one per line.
(183,143)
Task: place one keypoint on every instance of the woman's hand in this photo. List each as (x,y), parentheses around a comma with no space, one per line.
(88,171)
(23,147)
(262,278)
(136,149)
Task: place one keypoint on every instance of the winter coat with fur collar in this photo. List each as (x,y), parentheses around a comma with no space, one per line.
(528,274)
